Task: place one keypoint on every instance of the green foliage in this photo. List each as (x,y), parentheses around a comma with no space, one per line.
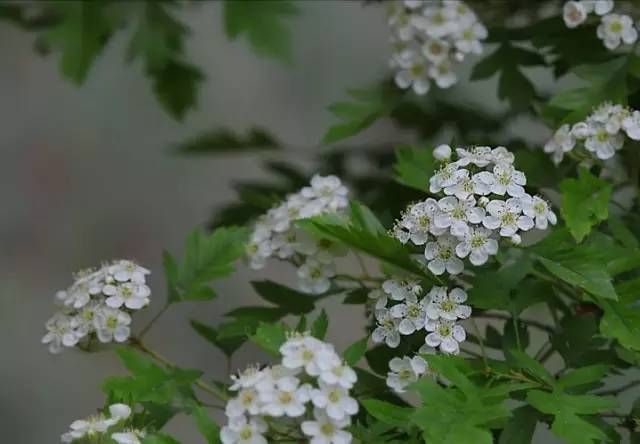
(520,427)
(585,203)
(270,337)
(388,413)
(621,319)
(414,167)
(366,106)
(287,299)
(207,427)
(159,438)
(355,351)
(320,325)
(212,335)
(207,257)
(224,140)
(261,22)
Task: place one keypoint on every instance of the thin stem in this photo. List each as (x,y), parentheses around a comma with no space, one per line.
(539,325)
(514,321)
(137,343)
(476,330)
(618,390)
(153,321)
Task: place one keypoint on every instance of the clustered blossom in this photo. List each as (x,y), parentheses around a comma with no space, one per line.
(94,428)
(484,200)
(430,38)
(275,234)
(405,371)
(601,134)
(614,29)
(401,309)
(98,304)
(311,386)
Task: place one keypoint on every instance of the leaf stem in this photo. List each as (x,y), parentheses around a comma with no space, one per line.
(153,320)
(539,325)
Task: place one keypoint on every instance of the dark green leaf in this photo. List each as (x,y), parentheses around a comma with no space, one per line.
(270,337)
(207,427)
(320,325)
(520,428)
(286,298)
(388,413)
(225,141)
(355,351)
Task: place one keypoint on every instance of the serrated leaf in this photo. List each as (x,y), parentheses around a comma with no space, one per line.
(531,366)
(520,428)
(228,345)
(320,325)
(355,351)
(270,337)
(262,23)
(585,203)
(583,376)
(414,166)
(226,141)
(176,86)
(290,300)
(388,413)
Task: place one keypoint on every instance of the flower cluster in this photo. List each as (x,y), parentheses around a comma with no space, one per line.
(484,199)
(100,425)
(614,29)
(275,234)
(601,133)
(98,304)
(429,38)
(405,371)
(311,376)
(401,310)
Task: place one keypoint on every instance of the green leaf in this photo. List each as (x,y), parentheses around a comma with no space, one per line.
(226,141)
(363,217)
(210,334)
(585,203)
(80,34)
(531,366)
(320,325)
(366,106)
(356,351)
(621,321)
(262,23)
(207,257)
(589,276)
(290,300)
(414,166)
(176,86)
(270,337)
(520,428)
(621,233)
(583,376)
(388,413)
(207,427)
(159,438)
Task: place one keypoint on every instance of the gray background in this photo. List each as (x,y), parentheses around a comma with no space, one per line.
(86,175)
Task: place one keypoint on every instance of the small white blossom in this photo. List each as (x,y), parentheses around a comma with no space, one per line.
(574,13)
(412,315)
(339,374)
(379,296)
(456,214)
(445,334)
(562,142)
(446,176)
(325,430)
(308,352)
(417,222)
(616,29)
(247,400)
(507,216)
(538,210)
(602,143)
(441,256)
(129,437)
(505,179)
(442,152)
(60,333)
(413,74)
(112,324)
(387,329)
(631,125)
(443,74)
(480,156)
(401,289)
(478,244)
(286,398)
(242,431)
(131,295)
(468,186)
(447,305)
(405,371)
(315,276)
(335,400)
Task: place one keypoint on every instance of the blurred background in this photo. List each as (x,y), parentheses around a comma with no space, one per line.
(89,174)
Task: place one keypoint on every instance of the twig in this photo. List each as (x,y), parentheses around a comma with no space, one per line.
(153,321)
(531,323)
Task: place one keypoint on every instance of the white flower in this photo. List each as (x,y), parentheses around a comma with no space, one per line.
(447,305)
(323,250)
(443,74)
(378,295)
(436,50)
(445,334)
(286,398)
(131,295)
(387,329)
(602,143)
(112,324)
(259,247)
(505,179)
(335,400)
(501,155)
(90,427)
(600,7)
(478,244)
(442,152)
(457,214)
(325,430)
(469,39)
(574,13)
(339,374)
(444,177)
(434,22)
(248,378)
(60,333)
(562,142)
(417,222)
(308,352)
(128,437)
(400,22)
(84,320)
(538,209)
(468,185)
(441,256)
(413,74)
(118,412)
(314,276)
(405,371)
(507,215)
(631,125)
(412,315)
(241,431)
(247,400)
(617,28)
(478,155)
(128,271)
(401,289)
(327,190)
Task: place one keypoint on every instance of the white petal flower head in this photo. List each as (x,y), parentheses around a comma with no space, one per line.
(574,13)
(478,243)
(339,374)
(442,153)
(468,186)
(335,400)
(325,430)
(447,305)
(562,142)
(112,325)
(286,398)
(445,335)
(128,437)
(443,74)
(500,155)
(131,295)
(600,7)
(329,191)
(506,179)
(631,125)
(602,143)
(417,222)
(400,22)
(441,256)
(119,412)
(413,74)
(247,378)
(446,176)
(128,271)
(456,214)
(538,209)
(380,298)
(248,400)
(314,276)
(411,314)
(304,351)
(469,39)
(405,371)
(507,216)
(60,333)
(436,50)
(387,329)
(616,29)
(480,156)
(242,431)
(401,289)
(90,428)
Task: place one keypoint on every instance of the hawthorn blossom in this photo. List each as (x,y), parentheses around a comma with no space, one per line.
(243,431)
(411,314)
(478,244)
(562,142)
(387,329)
(447,305)
(325,430)
(574,13)
(441,256)
(616,29)
(405,371)
(335,400)
(507,216)
(445,335)
(112,325)
(538,209)
(286,398)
